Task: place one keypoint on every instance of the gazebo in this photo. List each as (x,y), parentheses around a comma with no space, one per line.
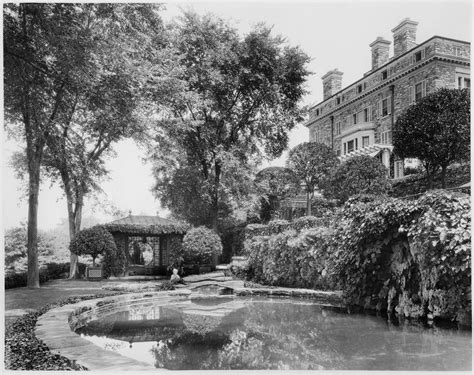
(146,242)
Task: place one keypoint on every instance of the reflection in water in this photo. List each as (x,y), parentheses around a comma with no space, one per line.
(228,333)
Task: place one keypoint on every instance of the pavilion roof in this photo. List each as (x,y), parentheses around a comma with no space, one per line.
(146,225)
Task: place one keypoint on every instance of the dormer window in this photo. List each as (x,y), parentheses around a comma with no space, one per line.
(359,89)
(338,100)
(317,112)
(418,56)
(384,75)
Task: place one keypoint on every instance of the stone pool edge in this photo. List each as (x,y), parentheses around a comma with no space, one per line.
(54,327)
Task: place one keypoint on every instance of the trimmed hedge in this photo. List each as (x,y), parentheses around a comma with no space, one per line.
(49,272)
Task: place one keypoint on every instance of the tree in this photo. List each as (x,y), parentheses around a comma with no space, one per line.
(275,184)
(358,175)
(93,241)
(16,249)
(312,163)
(42,68)
(241,101)
(100,104)
(436,130)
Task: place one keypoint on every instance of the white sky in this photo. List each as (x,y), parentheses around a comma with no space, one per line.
(334,34)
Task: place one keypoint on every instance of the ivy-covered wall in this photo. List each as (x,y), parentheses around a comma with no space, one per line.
(408,257)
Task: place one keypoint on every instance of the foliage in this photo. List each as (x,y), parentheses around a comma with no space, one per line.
(274,185)
(279,226)
(115,260)
(456,175)
(16,251)
(175,252)
(75,80)
(241,100)
(293,259)
(201,245)
(312,163)
(412,257)
(320,207)
(169,227)
(48,271)
(358,175)
(440,242)
(24,351)
(436,130)
(93,241)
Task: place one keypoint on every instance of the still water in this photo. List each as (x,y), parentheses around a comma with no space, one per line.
(264,333)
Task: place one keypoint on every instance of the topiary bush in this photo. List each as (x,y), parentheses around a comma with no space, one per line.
(358,175)
(93,241)
(201,245)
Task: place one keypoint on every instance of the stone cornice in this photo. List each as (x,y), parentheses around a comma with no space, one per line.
(442,57)
(388,82)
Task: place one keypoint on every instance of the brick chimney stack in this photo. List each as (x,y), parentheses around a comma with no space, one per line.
(404,36)
(332,83)
(380,48)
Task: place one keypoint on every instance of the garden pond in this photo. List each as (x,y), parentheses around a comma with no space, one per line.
(228,332)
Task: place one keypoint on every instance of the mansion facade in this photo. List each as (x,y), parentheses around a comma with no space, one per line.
(358,119)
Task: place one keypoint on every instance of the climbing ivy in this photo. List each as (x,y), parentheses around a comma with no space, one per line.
(409,257)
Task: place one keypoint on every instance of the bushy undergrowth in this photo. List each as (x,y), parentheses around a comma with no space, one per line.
(291,258)
(24,351)
(47,272)
(409,257)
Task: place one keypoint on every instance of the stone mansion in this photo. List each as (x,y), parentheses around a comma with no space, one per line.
(358,119)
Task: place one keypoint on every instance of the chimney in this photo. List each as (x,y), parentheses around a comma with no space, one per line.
(332,83)
(380,49)
(404,36)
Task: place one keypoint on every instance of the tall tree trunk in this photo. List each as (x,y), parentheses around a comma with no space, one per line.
(32,241)
(309,201)
(215,200)
(74,220)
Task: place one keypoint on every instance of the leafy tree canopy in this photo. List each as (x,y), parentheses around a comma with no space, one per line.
(312,163)
(358,175)
(436,130)
(93,241)
(241,100)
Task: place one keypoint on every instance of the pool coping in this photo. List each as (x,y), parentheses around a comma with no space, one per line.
(54,327)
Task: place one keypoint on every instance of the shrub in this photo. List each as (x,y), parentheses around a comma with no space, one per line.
(93,241)
(175,252)
(290,258)
(115,260)
(48,272)
(201,245)
(358,175)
